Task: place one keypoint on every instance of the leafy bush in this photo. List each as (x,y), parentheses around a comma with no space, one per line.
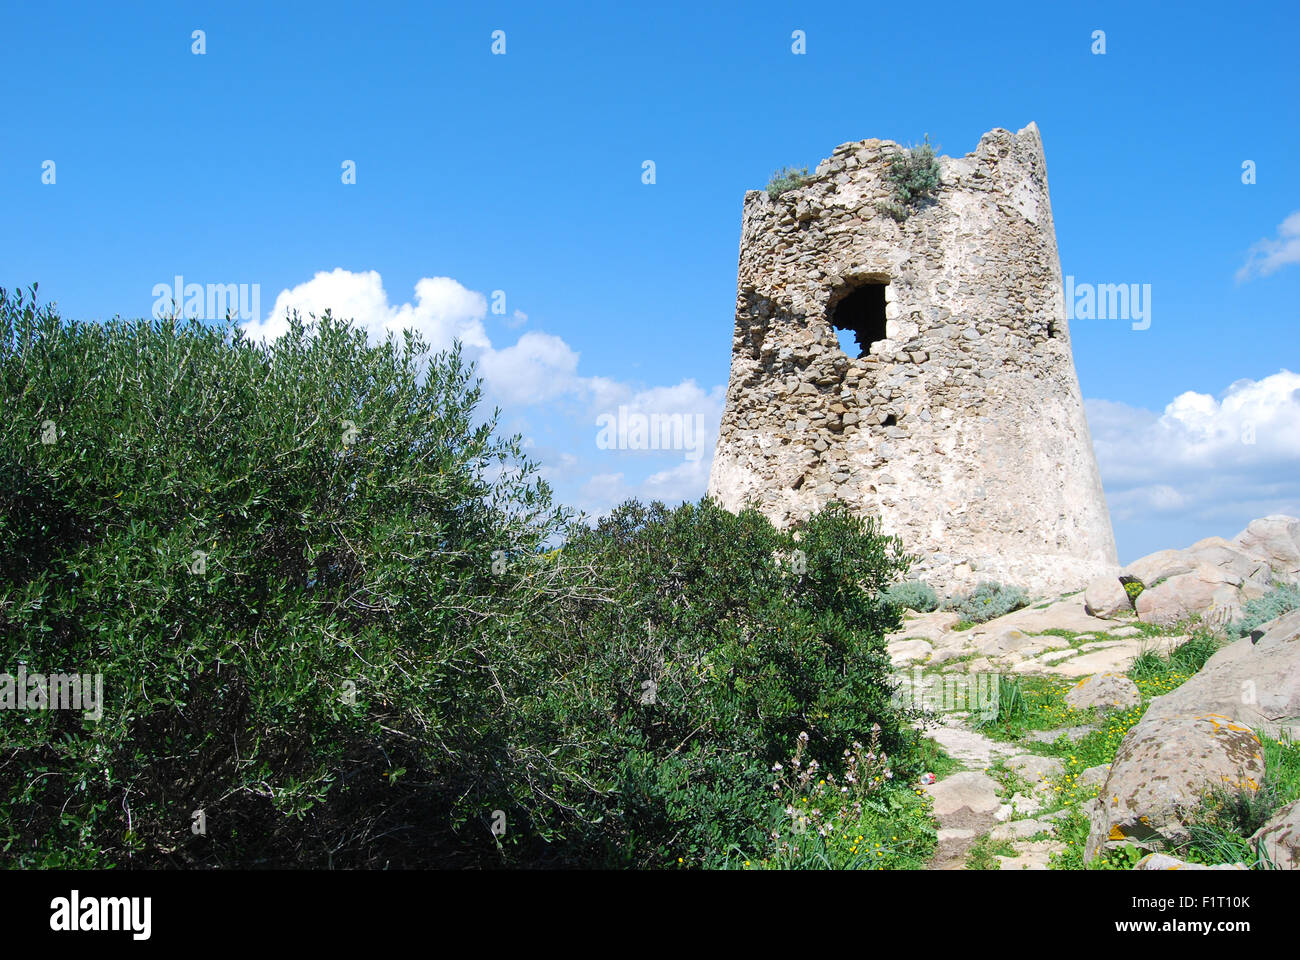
(1257,612)
(913,595)
(988,601)
(280,559)
(785,180)
(328,612)
(915,176)
(703,660)
(1134,590)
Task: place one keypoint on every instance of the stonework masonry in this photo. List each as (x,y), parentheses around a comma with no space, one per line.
(962,425)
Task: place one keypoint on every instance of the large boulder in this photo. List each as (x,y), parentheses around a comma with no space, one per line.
(1252,575)
(1105,691)
(1254,682)
(1275,539)
(1207,591)
(1106,597)
(1162,772)
(1158,566)
(1278,840)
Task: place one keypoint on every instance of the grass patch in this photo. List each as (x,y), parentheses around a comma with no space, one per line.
(985,851)
(1030,703)
(1156,673)
(1282,766)
(1071,830)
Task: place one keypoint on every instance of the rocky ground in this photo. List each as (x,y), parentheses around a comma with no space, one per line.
(1019,794)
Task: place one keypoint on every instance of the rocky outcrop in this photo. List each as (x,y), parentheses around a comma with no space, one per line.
(965,807)
(1256,682)
(1106,597)
(1210,580)
(1278,840)
(1105,692)
(1275,539)
(1201,592)
(1162,772)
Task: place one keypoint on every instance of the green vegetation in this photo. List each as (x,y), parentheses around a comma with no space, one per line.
(988,601)
(913,595)
(1028,703)
(1156,673)
(914,174)
(1222,824)
(984,852)
(1134,589)
(864,820)
(336,613)
(1257,612)
(785,180)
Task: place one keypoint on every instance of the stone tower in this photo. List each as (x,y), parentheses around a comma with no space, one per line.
(960,424)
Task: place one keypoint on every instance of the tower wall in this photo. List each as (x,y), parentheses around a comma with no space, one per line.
(963,429)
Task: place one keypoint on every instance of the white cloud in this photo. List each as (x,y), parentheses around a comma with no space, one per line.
(535,381)
(686,481)
(443,310)
(1205,465)
(537,368)
(1272,253)
(603,491)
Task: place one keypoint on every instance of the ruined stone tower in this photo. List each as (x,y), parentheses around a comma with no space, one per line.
(961,424)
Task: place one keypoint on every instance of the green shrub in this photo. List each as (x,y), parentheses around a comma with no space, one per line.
(913,595)
(915,177)
(785,180)
(740,654)
(1259,611)
(281,560)
(988,601)
(1134,589)
(328,612)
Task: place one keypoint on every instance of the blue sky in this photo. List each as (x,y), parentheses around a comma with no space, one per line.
(523,173)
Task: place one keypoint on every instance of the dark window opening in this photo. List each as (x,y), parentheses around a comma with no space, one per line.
(859,319)
(890,421)
(1051,329)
